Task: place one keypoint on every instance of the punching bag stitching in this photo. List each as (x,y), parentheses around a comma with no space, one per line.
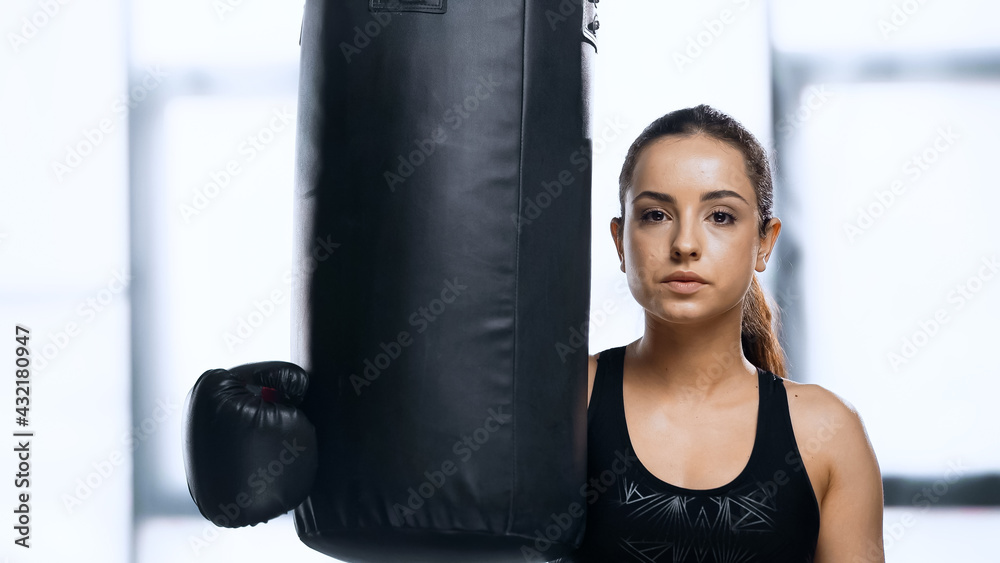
(400,6)
(517,277)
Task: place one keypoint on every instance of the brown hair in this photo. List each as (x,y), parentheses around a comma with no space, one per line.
(758,336)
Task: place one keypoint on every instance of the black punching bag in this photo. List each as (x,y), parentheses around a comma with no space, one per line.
(443,207)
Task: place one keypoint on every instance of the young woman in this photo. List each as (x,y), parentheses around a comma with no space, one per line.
(699,449)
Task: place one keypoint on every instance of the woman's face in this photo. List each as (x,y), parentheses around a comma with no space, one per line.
(691,208)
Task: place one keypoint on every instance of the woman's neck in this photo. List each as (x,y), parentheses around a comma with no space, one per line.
(692,361)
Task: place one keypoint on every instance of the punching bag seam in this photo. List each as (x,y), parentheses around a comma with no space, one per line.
(517,277)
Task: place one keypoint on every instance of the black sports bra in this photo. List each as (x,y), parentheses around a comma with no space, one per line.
(767,514)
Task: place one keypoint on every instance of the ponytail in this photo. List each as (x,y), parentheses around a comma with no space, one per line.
(760,343)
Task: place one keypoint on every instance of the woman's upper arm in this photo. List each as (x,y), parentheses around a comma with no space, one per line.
(591,375)
(851,507)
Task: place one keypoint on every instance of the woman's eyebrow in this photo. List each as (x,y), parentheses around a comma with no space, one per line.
(667,198)
(721,194)
(658,196)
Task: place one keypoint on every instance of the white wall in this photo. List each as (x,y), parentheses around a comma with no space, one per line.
(64,274)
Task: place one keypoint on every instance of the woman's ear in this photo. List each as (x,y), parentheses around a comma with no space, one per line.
(767,243)
(616,235)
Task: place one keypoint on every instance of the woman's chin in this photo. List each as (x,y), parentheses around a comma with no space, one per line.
(681,315)
(686,313)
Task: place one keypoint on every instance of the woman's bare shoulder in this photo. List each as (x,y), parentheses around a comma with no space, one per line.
(819,412)
(828,429)
(842,466)
(814,402)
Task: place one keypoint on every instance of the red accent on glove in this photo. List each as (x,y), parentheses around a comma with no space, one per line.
(269,394)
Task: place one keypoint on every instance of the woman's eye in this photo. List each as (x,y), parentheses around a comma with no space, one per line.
(723,218)
(653,215)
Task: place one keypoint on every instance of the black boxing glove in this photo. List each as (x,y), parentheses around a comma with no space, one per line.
(249,452)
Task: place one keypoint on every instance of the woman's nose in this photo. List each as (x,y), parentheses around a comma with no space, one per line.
(685,243)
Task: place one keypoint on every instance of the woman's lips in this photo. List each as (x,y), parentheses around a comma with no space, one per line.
(684,286)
